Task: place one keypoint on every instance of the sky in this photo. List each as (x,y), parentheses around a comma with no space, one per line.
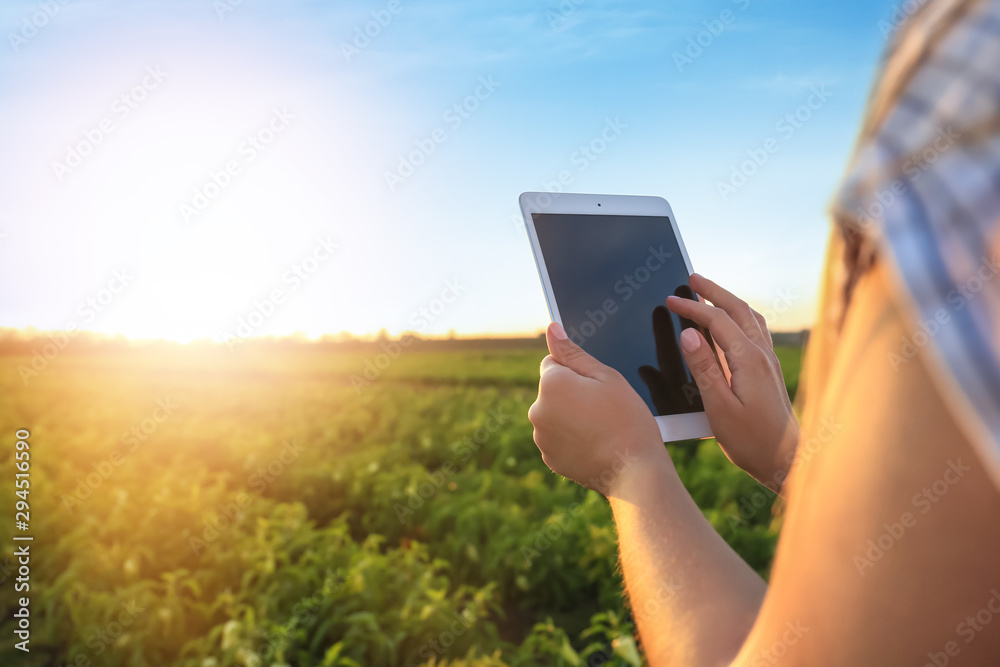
(219,168)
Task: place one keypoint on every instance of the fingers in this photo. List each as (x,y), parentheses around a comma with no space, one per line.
(567,353)
(730,337)
(763,328)
(715,391)
(735,307)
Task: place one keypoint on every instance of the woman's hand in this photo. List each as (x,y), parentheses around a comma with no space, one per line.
(590,425)
(751,417)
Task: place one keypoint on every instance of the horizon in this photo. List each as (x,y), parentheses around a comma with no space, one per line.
(33,333)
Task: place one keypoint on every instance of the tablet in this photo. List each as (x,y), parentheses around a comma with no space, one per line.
(607,264)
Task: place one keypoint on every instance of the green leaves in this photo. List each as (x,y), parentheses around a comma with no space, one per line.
(415,524)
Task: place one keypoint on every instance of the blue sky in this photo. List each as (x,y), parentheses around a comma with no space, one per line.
(337,119)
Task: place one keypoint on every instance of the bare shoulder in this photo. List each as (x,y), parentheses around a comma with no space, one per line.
(890,554)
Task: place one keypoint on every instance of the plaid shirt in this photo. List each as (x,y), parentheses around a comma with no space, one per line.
(923,191)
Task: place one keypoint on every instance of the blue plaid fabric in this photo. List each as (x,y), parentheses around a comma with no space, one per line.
(923,192)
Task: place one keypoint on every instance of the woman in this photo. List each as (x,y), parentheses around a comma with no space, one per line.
(890,551)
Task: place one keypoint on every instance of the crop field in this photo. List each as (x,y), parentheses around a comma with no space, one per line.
(288,503)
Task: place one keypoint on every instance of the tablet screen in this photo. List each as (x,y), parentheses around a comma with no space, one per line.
(610,275)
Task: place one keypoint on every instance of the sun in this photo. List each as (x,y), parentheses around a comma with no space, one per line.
(210,196)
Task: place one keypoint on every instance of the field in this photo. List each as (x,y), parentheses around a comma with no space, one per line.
(316,504)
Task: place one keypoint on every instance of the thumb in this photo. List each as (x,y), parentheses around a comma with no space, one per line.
(572,356)
(705,368)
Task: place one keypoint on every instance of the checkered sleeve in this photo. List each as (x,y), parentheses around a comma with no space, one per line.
(923,192)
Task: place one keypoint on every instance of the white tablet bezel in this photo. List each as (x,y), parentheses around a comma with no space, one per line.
(672,427)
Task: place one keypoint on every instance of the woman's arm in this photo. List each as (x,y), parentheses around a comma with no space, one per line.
(693,598)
